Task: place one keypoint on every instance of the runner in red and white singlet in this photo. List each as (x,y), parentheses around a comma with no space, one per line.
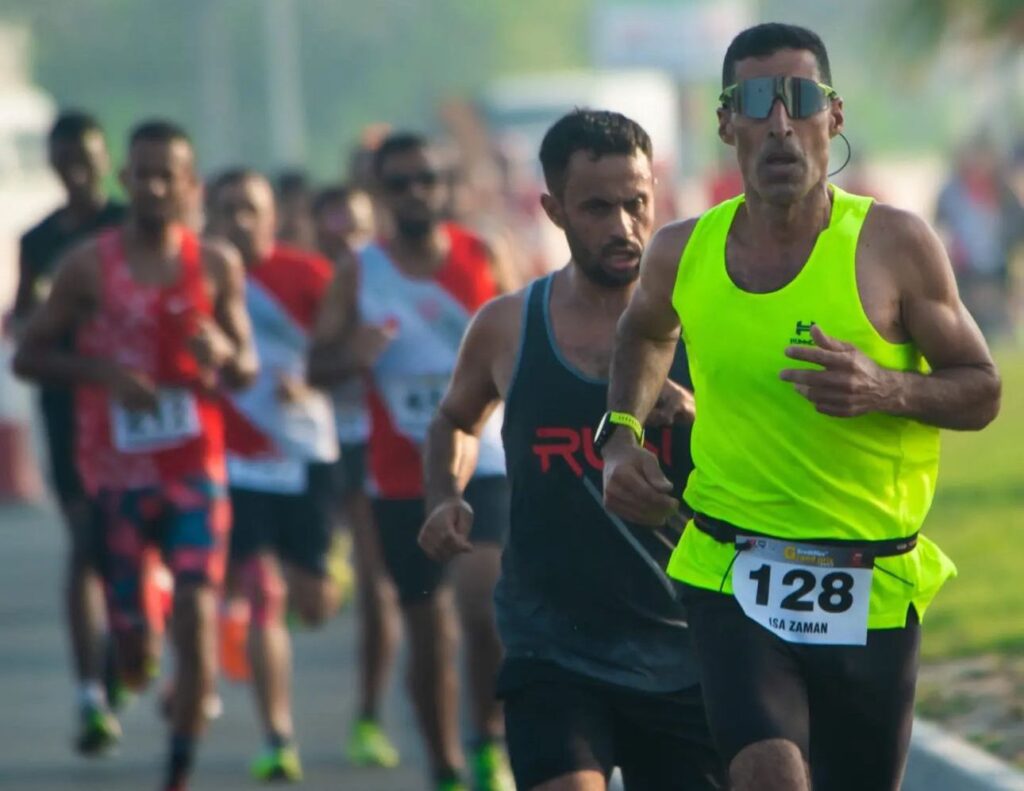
(396,314)
(159,324)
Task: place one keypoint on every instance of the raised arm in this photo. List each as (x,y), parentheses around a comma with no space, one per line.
(477,386)
(645,344)
(962,390)
(343,347)
(236,361)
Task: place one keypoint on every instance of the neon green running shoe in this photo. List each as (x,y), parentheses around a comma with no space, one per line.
(368,745)
(451,785)
(278,763)
(99,731)
(490,769)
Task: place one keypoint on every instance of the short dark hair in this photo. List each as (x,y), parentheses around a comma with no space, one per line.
(600,132)
(332,194)
(74,125)
(397,143)
(158,130)
(228,178)
(291,181)
(766,39)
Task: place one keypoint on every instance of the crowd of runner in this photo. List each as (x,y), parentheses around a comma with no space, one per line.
(241,380)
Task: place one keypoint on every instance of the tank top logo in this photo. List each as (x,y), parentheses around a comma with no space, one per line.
(802,336)
(575,448)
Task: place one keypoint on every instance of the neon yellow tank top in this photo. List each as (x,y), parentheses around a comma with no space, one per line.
(764,458)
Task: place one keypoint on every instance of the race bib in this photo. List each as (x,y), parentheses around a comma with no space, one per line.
(280,476)
(413,400)
(804,593)
(174,422)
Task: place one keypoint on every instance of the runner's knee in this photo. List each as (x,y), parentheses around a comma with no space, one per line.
(260,582)
(770,765)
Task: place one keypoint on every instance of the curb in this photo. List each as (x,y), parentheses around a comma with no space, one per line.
(940,761)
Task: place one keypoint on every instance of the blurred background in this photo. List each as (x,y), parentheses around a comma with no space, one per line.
(934,97)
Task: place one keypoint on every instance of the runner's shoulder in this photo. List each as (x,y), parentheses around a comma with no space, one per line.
(665,250)
(905,243)
(304,261)
(221,260)
(499,320)
(41,230)
(78,269)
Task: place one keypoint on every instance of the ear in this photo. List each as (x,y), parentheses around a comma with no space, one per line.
(836,117)
(726,133)
(553,209)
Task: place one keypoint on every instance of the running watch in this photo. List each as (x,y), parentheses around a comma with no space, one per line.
(608,424)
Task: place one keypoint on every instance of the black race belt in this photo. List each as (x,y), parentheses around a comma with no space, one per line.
(726,533)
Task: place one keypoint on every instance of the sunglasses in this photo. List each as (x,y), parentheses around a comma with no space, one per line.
(754,98)
(400,183)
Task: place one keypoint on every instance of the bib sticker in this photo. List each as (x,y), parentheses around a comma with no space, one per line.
(277,475)
(174,422)
(413,400)
(804,593)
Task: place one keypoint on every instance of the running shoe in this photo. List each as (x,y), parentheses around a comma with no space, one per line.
(99,731)
(490,769)
(451,785)
(278,763)
(234,637)
(368,745)
(339,566)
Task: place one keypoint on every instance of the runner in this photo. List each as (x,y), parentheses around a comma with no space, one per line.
(398,312)
(282,446)
(78,155)
(159,322)
(598,671)
(344,220)
(828,346)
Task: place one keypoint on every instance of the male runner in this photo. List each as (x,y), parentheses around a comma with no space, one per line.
(344,221)
(399,314)
(281,444)
(827,345)
(78,155)
(159,323)
(598,671)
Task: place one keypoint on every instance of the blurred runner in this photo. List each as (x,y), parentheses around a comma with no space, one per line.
(343,218)
(159,323)
(294,210)
(281,445)
(78,155)
(398,312)
(598,670)
(828,346)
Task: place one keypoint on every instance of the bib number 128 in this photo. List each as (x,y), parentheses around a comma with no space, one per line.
(834,590)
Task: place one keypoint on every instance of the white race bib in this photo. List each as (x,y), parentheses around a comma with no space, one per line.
(174,422)
(804,593)
(412,401)
(280,476)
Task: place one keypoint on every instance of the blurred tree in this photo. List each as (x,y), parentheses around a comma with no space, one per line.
(999,22)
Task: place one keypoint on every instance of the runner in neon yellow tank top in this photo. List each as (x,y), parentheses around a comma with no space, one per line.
(827,347)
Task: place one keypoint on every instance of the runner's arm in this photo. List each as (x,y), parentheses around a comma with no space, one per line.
(331,352)
(648,331)
(474,392)
(962,391)
(41,355)
(26,298)
(240,367)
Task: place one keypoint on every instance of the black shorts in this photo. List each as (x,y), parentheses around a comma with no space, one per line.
(415,575)
(57,406)
(350,470)
(557,722)
(297,527)
(848,708)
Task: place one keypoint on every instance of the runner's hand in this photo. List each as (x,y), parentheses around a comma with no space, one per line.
(675,404)
(635,488)
(210,345)
(850,384)
(290,389)
(445,534)
(369,341)
(135,390)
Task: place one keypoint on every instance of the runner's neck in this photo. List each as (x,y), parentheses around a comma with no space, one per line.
(768,225)
(420,257)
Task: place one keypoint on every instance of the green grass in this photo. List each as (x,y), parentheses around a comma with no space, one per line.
(978,519)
